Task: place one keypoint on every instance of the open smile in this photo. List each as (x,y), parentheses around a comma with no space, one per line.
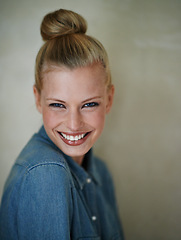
(74,139)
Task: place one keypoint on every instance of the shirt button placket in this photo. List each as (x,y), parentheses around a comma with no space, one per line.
(89,180)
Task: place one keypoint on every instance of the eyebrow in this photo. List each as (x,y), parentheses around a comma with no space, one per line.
(86,100)
(92,98)
(55,99)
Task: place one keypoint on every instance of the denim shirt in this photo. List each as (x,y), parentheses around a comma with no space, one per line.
(49,196)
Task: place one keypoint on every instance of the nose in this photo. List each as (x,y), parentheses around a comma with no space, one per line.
(74,120)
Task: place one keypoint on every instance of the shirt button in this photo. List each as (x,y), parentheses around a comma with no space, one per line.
(88,180)
(94,218)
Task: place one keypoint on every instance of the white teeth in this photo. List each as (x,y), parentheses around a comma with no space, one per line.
(73,138)
(63,135)
(76,137)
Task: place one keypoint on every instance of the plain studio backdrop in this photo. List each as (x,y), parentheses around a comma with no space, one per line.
(141,143)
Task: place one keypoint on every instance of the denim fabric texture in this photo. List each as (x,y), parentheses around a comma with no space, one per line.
(48,196)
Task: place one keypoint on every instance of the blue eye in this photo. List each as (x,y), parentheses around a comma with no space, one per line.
(57,105)
(91,104)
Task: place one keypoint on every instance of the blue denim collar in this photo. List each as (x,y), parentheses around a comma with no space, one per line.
(80,174)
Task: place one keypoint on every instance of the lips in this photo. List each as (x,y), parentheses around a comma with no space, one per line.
(74,139)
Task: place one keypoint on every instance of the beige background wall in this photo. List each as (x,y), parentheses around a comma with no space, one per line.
(142,140)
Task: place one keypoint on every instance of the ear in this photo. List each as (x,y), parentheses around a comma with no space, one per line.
(37,99)
(110,97)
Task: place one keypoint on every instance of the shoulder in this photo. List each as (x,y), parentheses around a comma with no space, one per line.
(35,191)
(39,152)
(39,162)
(40,172)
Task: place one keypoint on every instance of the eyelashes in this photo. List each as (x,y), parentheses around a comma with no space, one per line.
(90,105)
(57,105)
(86,105)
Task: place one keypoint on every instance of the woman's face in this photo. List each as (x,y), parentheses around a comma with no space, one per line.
(73,104)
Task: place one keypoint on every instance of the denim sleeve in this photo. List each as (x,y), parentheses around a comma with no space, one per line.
(44,210)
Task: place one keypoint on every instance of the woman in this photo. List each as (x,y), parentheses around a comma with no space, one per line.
(57,188)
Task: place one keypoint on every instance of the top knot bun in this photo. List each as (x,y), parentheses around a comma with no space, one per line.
(62,22)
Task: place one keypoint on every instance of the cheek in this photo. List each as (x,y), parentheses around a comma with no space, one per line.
(49,118)
(98,119)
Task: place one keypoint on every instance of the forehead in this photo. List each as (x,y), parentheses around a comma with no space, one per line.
(90,79)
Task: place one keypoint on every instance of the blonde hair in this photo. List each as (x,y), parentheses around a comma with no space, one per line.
(66,44)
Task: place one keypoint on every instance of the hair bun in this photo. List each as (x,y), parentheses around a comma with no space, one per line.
(62,22)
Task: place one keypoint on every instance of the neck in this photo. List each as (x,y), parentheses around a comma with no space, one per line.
(78,159)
